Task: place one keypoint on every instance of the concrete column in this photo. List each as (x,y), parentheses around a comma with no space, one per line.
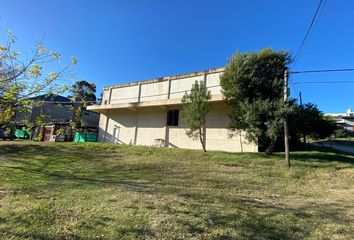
(106,128)
(204,128)
(205,79)
(110,96)
(136,128)
(166,131)
(169,89)
(167,136)
(139,93)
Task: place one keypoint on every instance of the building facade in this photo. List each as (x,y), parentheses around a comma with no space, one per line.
(344,120)
(56,109)
(148,113)
(57,112)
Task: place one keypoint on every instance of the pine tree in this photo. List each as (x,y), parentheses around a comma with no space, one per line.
(196,106)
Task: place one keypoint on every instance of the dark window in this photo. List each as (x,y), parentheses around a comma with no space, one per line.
(172,117)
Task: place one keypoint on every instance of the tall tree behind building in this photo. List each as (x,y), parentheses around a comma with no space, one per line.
(84,91)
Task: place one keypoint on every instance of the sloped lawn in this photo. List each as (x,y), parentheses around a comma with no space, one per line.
(106,191)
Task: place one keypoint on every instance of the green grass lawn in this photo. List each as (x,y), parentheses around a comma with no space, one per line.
(106,191)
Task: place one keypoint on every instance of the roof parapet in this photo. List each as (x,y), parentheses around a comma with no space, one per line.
(172,77)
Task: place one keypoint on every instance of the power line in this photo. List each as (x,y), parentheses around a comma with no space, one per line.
(314,20)
(293,86)
(315,82)
(323,70)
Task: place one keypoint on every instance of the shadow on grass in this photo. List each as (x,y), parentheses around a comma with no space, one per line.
(323,154)
(46,150)
(259,220)
(249,218)
(38,236)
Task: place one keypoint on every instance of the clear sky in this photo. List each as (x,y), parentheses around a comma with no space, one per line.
(131,40)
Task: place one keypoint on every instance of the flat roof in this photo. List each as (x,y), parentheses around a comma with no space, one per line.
(166,78)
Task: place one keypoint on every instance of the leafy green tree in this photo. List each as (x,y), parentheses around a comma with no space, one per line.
(84,91)
(99,99)
(77,121)
(194,111)
(308,121)
(253,86)
(22,77)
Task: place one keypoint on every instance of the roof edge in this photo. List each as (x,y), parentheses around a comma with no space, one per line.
(166,78)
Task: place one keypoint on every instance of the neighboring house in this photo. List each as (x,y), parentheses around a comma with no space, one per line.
(344,120)
(148,113)
(58,111)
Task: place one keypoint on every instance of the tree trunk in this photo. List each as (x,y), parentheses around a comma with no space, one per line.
(33,129)
(201,138)
(271,146)
(304,136)
(241,141)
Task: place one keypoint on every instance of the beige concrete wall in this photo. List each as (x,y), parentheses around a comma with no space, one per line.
(158,89)
(149,124)
(219,137)
(105,96)
(154,91)
(125,95)
(102,128)
(180,86)
(143,125)
(213,83)
(177,137)
(124,121)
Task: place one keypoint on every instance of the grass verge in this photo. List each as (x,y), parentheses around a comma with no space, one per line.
(107,191)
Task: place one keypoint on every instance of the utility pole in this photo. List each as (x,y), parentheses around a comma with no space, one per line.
(302,115)
(286,128)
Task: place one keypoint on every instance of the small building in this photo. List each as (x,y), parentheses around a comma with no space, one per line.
(57,112)
(344,120)
(148,113)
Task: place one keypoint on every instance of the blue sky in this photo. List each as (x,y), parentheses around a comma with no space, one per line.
(130,40)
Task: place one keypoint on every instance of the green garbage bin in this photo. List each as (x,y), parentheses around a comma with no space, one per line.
(20,133)
(85,137)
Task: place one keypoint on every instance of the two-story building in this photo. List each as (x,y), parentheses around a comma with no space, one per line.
(148,113)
